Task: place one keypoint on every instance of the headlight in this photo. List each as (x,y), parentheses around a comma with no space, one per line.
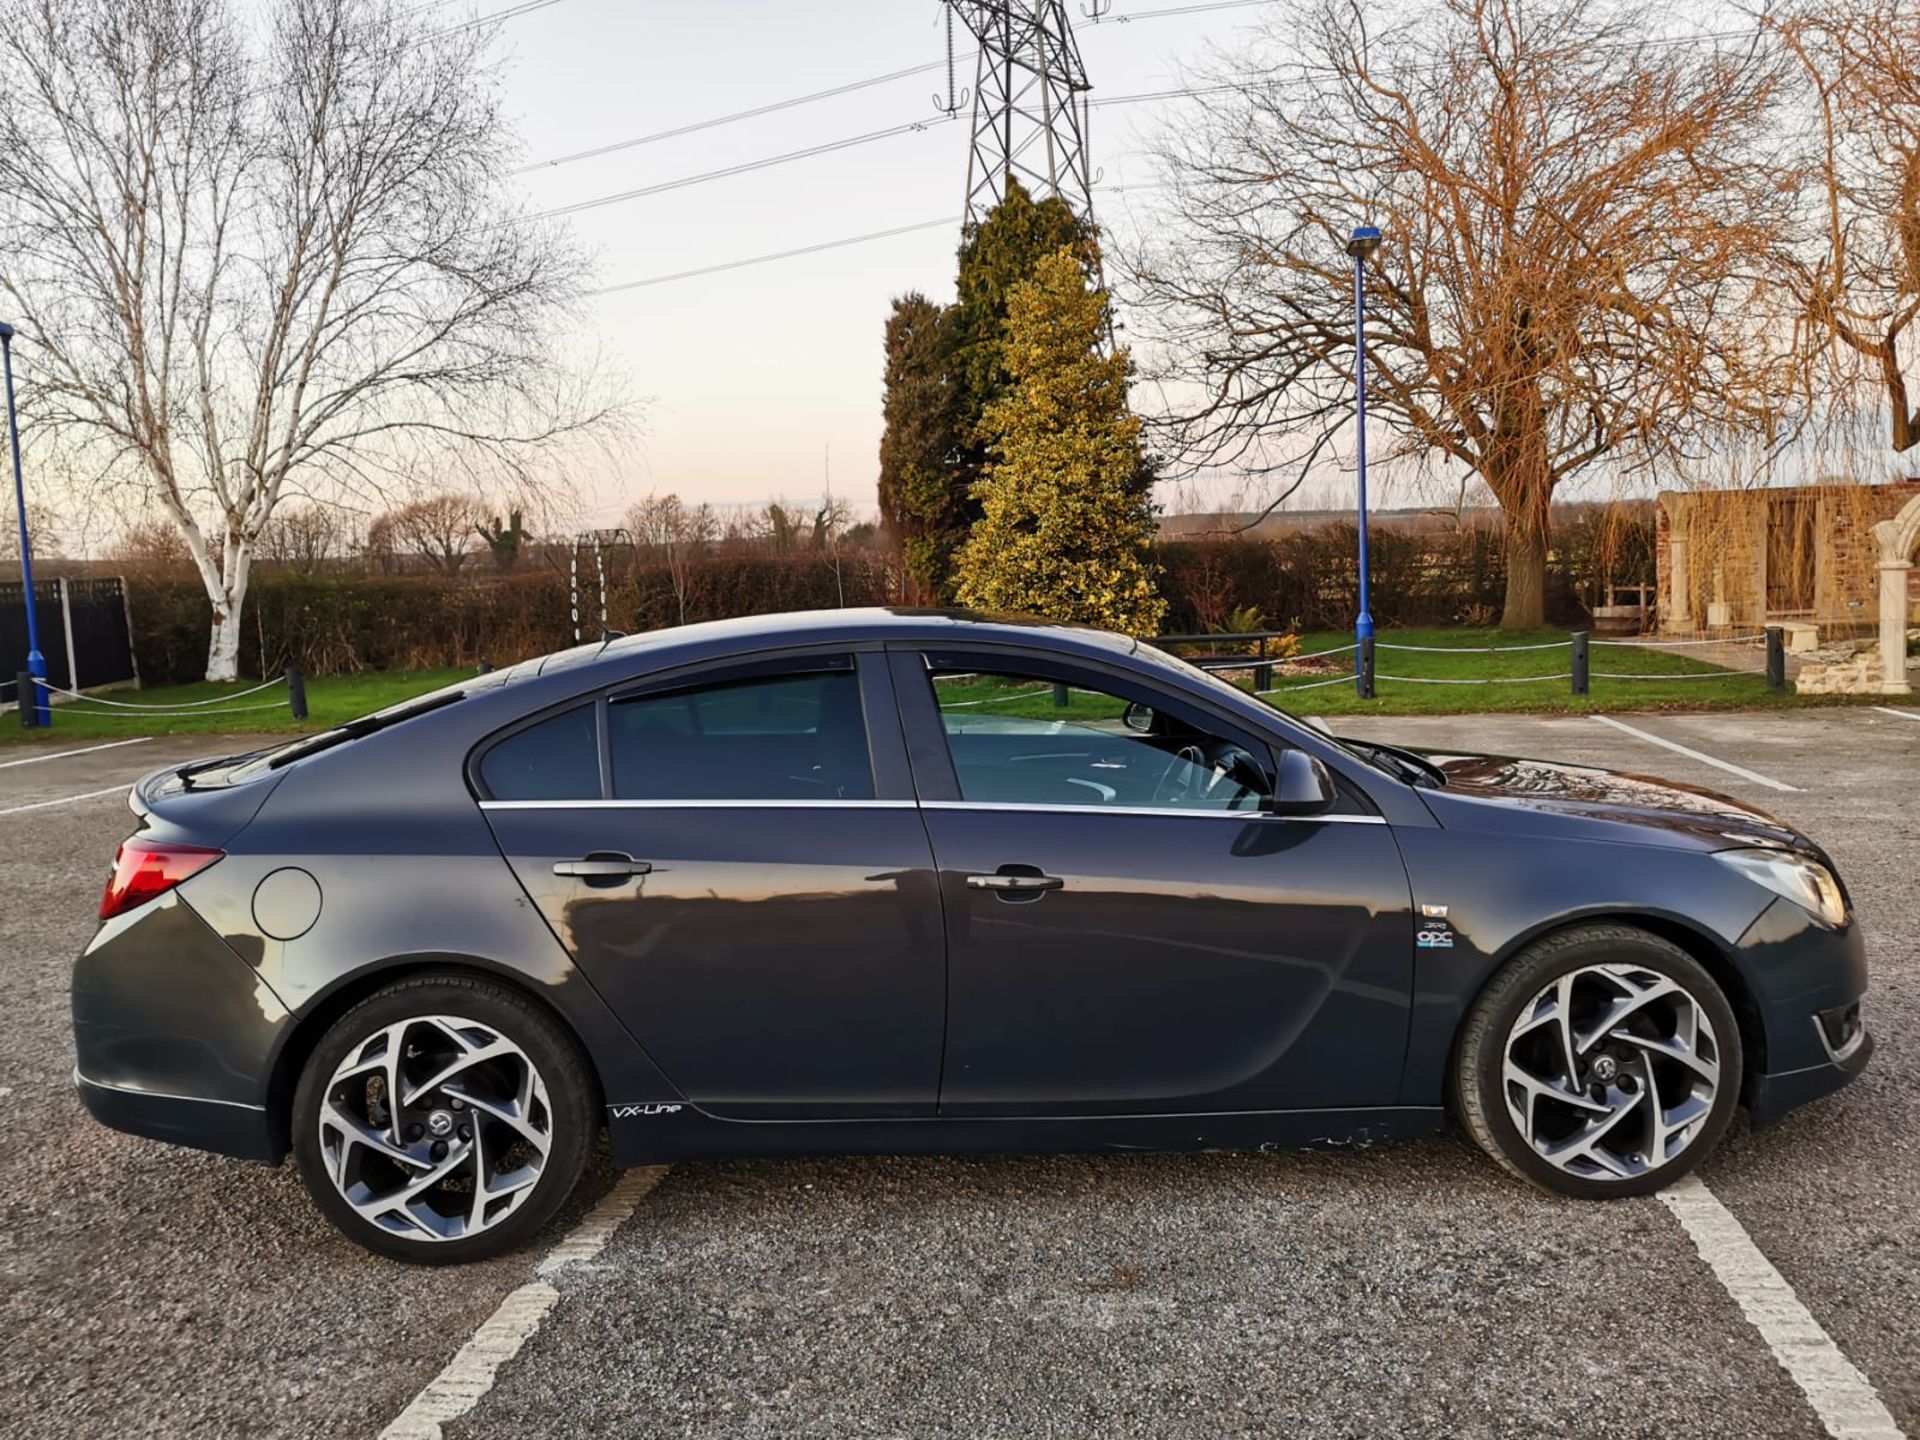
(1807,883)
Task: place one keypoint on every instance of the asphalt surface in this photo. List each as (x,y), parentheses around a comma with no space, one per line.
(1407,1290)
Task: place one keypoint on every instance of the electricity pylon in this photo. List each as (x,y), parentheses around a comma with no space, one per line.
(1029,105)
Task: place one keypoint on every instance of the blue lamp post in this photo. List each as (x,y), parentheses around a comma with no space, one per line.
(36,662)
(1364,241)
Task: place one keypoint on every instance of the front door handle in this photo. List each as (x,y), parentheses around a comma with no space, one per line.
(602,866)
(1015,881)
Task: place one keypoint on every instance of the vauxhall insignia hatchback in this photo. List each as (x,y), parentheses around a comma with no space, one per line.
(890,881)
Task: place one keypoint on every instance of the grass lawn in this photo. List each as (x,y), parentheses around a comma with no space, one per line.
(1510,689)
(329,703)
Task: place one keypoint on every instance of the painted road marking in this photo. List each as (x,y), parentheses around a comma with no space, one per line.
(473,1369)
(63,754)
(1705,759)
(1903,714)
(67,800)
(1843,1398)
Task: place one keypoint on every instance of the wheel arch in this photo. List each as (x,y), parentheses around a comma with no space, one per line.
(1712,955)
(305,1029)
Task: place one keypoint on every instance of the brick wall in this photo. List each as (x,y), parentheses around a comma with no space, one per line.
(1726,553)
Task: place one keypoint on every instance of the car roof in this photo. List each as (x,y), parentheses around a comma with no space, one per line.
(746,634)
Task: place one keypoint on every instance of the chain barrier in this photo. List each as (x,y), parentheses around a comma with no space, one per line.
(1649,644)
(171,706)
(1482,680)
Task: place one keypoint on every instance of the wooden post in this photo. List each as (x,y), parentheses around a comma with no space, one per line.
(1776,657)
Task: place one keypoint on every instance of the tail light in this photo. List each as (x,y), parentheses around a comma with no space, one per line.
(146,869)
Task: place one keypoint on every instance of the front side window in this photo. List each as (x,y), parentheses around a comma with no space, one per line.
(775,737)
(1023,739)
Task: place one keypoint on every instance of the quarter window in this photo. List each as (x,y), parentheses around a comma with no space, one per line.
(777,737)
(1026,740)
(556,759)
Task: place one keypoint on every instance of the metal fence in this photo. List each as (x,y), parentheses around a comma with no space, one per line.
(84,633)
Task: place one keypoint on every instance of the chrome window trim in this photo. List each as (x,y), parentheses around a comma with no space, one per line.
(1010,807)
(715,804)
(1164,811)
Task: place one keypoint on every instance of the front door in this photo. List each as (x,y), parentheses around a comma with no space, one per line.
(748,889)
(1127,932)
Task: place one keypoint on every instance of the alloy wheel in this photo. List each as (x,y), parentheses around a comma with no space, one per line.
(1610,1071)
(435,1128)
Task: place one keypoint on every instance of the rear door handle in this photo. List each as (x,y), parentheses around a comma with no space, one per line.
(602,867)
(1004,881)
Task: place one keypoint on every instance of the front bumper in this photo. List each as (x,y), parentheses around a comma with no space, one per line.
(1803,976)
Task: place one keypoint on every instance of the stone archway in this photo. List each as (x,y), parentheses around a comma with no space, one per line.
(1898,539)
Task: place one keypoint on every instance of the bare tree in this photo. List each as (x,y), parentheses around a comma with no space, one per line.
(1572,221)
(665,529)
(303,538)
(1858,281)
(438,530)
(253,252)
(45,532)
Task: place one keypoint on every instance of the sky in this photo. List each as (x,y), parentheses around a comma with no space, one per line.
(765,381)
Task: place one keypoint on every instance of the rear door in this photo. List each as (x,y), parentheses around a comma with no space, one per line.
(735,860)
(1127,931)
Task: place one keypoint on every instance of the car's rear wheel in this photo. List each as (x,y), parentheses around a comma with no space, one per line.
(443,1119)
(1601,1061)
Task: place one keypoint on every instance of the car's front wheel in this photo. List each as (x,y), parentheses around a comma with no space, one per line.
(1598,1062)
(443,1119)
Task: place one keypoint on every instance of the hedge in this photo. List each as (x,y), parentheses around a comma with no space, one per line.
(1305,579)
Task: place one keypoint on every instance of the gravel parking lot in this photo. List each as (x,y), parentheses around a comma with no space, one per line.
(1397,1291)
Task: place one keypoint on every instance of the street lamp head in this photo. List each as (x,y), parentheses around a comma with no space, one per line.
(1366,240)
(6,331)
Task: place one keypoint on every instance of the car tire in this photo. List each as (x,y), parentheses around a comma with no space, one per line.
(1604,1135)
(518,1109)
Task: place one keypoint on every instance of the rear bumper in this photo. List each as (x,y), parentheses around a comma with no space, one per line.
(174,1032)
(225,1127)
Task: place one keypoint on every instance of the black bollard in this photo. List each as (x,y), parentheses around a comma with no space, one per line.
(1776,658)
(296,692)
(24,693)
(1363,669)
(1580,674)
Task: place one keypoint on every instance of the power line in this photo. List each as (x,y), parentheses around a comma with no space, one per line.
(814,249)
(618,145)
(833,92)
(779,255)
(746,167)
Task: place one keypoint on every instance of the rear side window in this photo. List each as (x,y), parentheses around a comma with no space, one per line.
(777,737)
(556,759)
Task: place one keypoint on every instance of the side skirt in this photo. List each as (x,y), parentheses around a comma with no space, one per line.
(649,1134)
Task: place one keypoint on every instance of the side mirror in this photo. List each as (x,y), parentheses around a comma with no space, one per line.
(1304,786)
(1138,717)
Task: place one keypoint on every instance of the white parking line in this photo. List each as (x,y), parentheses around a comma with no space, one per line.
(473,1369)
(85,750)
(1903,714)
(67,800)
(1843,1398)
(1691,754)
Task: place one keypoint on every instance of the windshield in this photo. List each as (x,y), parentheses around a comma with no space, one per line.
(1188,670)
